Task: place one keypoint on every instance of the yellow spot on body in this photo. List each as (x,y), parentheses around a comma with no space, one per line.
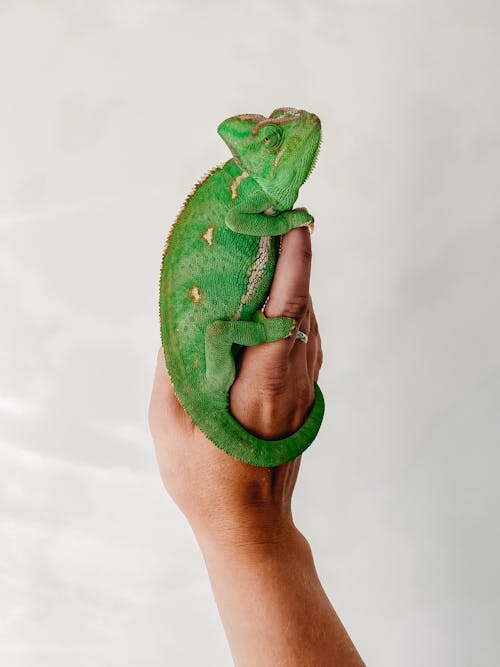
(208,235)
(195,294)
(235,183)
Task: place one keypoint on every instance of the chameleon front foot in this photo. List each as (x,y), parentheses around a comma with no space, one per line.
(222,334)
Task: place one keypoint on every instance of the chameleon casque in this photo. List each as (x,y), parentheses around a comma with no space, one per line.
(217,268)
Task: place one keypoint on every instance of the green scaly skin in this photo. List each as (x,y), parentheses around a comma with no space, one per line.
(217,270)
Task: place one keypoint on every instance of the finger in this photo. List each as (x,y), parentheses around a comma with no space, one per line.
(312,345)
(299,351)
(319,359)
(316,360)
(289,293)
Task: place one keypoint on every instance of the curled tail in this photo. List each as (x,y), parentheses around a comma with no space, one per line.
(217,423)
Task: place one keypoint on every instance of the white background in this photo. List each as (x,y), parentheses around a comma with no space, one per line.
(108,114)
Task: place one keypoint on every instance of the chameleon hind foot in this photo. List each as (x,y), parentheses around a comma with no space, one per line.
(222,334)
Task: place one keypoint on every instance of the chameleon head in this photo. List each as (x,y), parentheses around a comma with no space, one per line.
(279,152)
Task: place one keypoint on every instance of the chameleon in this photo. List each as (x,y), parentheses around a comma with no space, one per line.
(217,267)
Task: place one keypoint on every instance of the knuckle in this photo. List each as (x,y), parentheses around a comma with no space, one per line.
(274,386)
(275,382)
(296,307)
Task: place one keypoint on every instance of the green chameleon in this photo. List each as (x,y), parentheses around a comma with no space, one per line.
(217,269)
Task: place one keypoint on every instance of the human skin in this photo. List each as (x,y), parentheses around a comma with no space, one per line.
(270,599)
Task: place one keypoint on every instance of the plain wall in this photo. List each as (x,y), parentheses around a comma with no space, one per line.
(108,117)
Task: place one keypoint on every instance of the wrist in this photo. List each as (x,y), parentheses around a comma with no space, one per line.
(241,544)
(243,522)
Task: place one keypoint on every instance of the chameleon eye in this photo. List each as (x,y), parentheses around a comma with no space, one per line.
(273,135)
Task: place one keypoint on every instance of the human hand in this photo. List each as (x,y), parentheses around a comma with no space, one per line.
(222,497)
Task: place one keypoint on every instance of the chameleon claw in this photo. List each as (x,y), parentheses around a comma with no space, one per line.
(310,226)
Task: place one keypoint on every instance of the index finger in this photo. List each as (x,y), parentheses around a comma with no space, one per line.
(289,293)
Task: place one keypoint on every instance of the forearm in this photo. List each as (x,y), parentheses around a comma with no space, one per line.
(273,607)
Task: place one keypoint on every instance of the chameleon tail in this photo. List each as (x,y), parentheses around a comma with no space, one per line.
(223,430)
